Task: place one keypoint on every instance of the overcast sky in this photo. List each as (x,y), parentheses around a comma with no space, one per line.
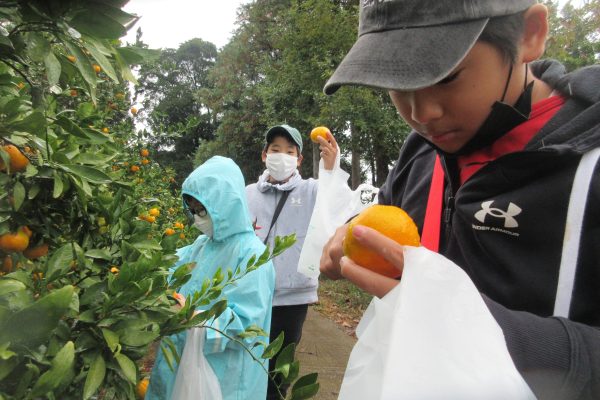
(168,23)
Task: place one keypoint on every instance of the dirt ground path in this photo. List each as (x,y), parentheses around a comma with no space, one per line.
(324,349)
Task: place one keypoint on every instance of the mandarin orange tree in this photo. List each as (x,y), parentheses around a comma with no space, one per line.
(83,285)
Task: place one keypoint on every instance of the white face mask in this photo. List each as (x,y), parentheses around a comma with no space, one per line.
(281,166)
(204,224)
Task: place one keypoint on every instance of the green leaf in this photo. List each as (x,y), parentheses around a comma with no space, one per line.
(38,319)
(34,123)
(53,69)
(147,245)
(101,59)
(273,347)
(18,195)
(61,364)
(58,186)
(85,68)
(60,262)
(95,137)
(285,359)
(138,338)
(305,391)
(85,109)
(33,191)
(95,376)
(112,340)
(7,366)
(87,316)
(124,68)
(102,254)
(38,47)
(89,174)
(71,127)
(127,367)
(8,286)
(98,23)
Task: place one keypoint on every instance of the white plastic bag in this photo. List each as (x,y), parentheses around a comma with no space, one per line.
(335,204)
(431,337)
(195,378)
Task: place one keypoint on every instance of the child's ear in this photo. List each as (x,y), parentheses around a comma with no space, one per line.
(535,33)
(264,156)
(300,158)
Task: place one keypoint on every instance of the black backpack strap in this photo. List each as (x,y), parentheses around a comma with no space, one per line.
(284,196)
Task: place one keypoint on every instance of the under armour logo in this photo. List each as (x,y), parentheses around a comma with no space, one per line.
(508,215)
(296,201)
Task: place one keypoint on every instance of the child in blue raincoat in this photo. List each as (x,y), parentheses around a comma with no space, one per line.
(215,194)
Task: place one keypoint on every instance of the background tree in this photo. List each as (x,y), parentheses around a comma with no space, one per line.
(176,114)
(574,36)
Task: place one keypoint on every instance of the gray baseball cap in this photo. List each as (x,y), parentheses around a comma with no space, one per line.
(412,44)
(287,130)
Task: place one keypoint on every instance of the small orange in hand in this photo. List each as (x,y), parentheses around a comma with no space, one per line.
(319,131)
(390,221)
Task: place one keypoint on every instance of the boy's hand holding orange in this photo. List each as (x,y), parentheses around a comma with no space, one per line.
(319,131)
(327,145)
(390,221)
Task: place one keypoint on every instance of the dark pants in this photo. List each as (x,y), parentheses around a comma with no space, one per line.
(289,320)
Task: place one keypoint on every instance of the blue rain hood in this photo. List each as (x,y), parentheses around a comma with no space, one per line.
(219,185)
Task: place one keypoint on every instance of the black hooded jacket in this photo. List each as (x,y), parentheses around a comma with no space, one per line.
(516,268)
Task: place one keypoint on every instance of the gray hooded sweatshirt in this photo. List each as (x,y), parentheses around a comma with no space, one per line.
(291,287)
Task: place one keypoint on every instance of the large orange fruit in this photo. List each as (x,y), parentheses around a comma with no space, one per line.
(319,131)
(14,242)
(390,221)
(18,162)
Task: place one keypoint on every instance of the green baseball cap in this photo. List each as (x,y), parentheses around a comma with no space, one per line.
(287,130)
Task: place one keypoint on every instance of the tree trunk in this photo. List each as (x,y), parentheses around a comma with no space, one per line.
(355,158)
(382,162)
(315,160)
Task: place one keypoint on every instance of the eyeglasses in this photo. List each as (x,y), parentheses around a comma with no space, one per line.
(199,211)
(195,207)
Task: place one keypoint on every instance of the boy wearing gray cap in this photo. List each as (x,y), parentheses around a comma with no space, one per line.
(281,203)
(500,172)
